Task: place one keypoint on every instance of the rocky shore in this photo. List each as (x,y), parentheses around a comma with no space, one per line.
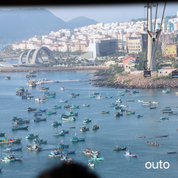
(133,81)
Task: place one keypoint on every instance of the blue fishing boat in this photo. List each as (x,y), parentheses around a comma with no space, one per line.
(127,112)
(113,104)
(55,153)
(166,91)
(9,140)
(2,134)
(68,152)
(9,157)
(71,113)
(56,133)
(32,136)
(57,107)
(21,121)
(118,114)
(97,158)
(120,94)
(39,141)
(35,147)
(56,123)
(37,114)
(64,131)
(38,119)
(48,96)
(61,145)
(87,120)
(128,154)
(86,105)
(50,112)
(68,118)
(19,128)
(139,115)
(91,163)
(84,129)
(9,148)
(105,112)
(91,96)
(95,93)
(15,118)
(76,139)
(119,101)
(74,107)
(63,101)
(31,109)
(95,127)
(134,92)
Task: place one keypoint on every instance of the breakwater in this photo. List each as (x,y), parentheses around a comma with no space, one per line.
(51,69)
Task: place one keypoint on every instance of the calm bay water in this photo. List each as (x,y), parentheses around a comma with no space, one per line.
(121,131)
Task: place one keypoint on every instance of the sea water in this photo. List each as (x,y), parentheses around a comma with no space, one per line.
(112,131)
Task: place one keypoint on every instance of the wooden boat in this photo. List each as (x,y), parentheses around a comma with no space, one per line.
(134,92)
(91,96)
(119,101)
(9,148)
(153,143)
(87,120)
(39,141)
(56,123)
(38,119)
(139,116)
(56,134)
(117,148)
(118,114)
(37,114)
(31,136)
(68,152)
(128,154)
(72,127)
(108,97)
(74,107)
(126,90)
(15,118)
(55,153)
(31,109)
(95,127)
(2,134)
(105,112)
(57,107)
(64,131)
(84,129)
(71,113)
(164,118)
(91,163)
(50,112)
(1,169)
(127,112)
(171,152)
(19,128)
(166,109)
(61,145)
(63,101)
(21,121)
(152,107)
(165,112)
(130,100)
(9,140)
(76,139)
(113,104)
(97,158)
(9,157)
(34,147)
(86,105)
(120,94)
(95,93)
(162,135)
(140,136)
(100,97)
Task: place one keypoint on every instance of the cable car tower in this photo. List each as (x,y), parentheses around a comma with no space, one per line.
(152,40)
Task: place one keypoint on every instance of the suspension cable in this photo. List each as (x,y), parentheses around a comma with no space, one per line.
(156,16)
(145,67)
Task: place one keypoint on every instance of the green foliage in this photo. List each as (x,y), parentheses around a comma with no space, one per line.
(170,17)
(112,79)
(142,59)
(127,81)
(139,19)
(175,64)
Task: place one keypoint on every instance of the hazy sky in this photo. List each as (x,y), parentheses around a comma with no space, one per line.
(112,12)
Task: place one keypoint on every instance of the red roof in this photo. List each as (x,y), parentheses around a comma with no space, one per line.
(127,59)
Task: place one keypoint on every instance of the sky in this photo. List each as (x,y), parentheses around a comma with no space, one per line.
(112,12)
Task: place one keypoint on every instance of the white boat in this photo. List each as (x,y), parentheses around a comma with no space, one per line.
(63,88)
(176,93)
(155,102)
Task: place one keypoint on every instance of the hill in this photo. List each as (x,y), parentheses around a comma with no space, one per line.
(21,24)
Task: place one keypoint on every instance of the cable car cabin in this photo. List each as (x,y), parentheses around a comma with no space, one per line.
(146,73)
(174,74)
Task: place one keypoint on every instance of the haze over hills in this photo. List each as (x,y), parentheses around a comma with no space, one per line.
(20,24)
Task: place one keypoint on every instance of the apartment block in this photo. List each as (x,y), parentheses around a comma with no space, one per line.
(169,49)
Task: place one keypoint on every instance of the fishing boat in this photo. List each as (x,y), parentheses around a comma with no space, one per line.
(146,104)
(15,118)
(76,139)
(39,141)
(64,158)
(120,94)
(57,107)
(21,121)
(155,102)
(152,107)
(91,96)
(84,129)
(117,148)
(9,148)
(170,114)
(105,112)
(74,107)
(108,97)
(2,134)
(162,135)
(61,145)
(7,77)
(55,153)
(126,90)
(50,93)
(140,101)
(68,118)
(38,119)
(43,89)
(128,154)
(86,105)
(56,123)
(56,134)
(37,114)
(71,113)
(142,136)
(91,163)
(9,157)
(139,115)
(31,136)
(164,118)
(100,97)
(14,127)
(87,120)
(166,91)
(9,140)
(134,92)
(63,101)
(153,143)
(63,88)
(97,158)
(68,152)
(117,114)
(72,127)
(129,100)
(166,109)
(123,106)
(165,112)
(50,112)
(39,100)
(64,131)
(113,104)
(95,127)
(95,93)
(117,107)
(119,101)
(67,106)
(171,152)
(127,112)
(31,109)
(35,147)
